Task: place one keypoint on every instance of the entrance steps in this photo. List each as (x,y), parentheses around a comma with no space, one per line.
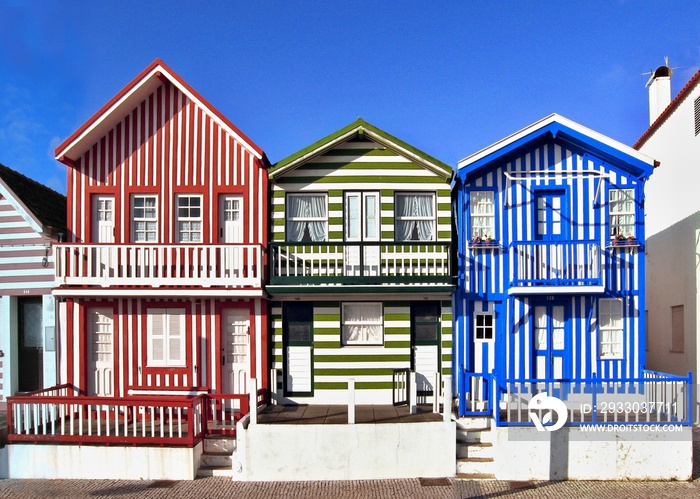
(217,455)
(475,459)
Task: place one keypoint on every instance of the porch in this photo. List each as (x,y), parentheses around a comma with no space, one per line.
(156,265)
(339,414)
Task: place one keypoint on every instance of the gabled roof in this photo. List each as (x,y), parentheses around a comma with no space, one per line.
(685,91)
(44,207)
(127,99)
(555,126)
(360,126)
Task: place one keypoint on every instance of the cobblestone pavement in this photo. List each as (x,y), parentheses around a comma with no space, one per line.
(356,489)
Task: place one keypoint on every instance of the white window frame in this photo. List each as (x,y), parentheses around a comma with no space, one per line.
(490,329)
(364,221)
(139,214)
(482,200)
(188,225)
(611,328)
(363,324)
(416,218)
(290,218)
(166,334)
(622,221)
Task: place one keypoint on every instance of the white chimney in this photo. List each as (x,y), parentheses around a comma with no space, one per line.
(659,92)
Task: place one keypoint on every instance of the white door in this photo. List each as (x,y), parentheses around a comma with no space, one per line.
(362,227)
(231,231)
(236,351)
(103,219)
(101,363)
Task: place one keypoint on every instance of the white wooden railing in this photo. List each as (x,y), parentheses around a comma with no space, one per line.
(231,265)
(556,263)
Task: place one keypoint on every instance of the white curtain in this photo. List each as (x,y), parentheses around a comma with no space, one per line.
(306,213)
(415,212)
(362,324)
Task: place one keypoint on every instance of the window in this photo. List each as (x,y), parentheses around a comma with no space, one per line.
(622,217)
(697,116)
(482,215)
(361,216)
(677,329)
(610,328)
(362,324)
(425,318)
(298,322)
(415,217)
(144,215)
(307,217)
(189,219)
(166,337)
(484,326)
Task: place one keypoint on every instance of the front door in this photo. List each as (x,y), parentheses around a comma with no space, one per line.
(231,231)
(101,355)
(550,341)
(551,215)
(425,347)
(31,345)
(297,330)
(361,226)
(236,351)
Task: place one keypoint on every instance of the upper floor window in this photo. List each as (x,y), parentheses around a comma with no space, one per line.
(307,217)
(622,212)
(415,217)
(166,337)
(610,320)
(482,215)
(189,219)
(144,217)
(362,324)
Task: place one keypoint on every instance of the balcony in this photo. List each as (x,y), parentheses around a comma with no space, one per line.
(556,266)
(361,263)
(159,265)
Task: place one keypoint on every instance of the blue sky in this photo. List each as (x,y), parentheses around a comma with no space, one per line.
(448,77)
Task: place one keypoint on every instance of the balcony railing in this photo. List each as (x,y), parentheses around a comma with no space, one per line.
(556,263)
(155,265)
(361,263)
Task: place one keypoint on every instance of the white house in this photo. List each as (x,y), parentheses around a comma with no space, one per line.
(673,225)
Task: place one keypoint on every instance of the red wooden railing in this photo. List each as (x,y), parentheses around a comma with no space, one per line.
(60,415)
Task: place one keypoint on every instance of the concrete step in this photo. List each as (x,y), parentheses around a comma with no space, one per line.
(219,444)
(207,471)
(475,435)
(475,476)
(476,465)
(481,449)
(471,422)
(216,459)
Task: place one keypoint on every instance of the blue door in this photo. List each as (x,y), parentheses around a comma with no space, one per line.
(551,349)
(551,217)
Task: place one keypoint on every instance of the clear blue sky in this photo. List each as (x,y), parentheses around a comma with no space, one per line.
(448,77)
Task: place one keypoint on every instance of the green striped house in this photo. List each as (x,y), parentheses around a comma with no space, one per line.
(360,268)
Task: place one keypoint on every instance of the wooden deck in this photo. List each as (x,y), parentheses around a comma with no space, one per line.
(338,414)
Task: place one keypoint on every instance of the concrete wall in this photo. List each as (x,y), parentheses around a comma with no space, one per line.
(102,462)
(271,452)
(570,453)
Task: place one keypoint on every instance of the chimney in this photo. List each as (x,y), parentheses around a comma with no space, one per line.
(659,86)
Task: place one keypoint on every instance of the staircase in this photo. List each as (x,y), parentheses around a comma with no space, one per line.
(216,456)
(475,449)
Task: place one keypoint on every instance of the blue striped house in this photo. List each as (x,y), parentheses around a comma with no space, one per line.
(550,250)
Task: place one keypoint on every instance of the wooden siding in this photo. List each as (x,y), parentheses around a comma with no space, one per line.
(130,336)
(487,273)
(22,253)
(168,145)
(360,166)
(370,366)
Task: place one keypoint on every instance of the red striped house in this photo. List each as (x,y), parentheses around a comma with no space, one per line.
(161,277)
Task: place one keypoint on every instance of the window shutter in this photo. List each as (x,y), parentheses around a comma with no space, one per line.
(155,327)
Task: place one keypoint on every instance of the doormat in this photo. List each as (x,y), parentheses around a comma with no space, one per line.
(162,484)
(434,482)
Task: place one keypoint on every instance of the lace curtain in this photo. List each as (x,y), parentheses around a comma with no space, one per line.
(306,218)
(362,323)
(415,217)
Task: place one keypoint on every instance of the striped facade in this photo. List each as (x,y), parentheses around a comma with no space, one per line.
(357,159)
(27,309)
(159,139)
(582,173)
